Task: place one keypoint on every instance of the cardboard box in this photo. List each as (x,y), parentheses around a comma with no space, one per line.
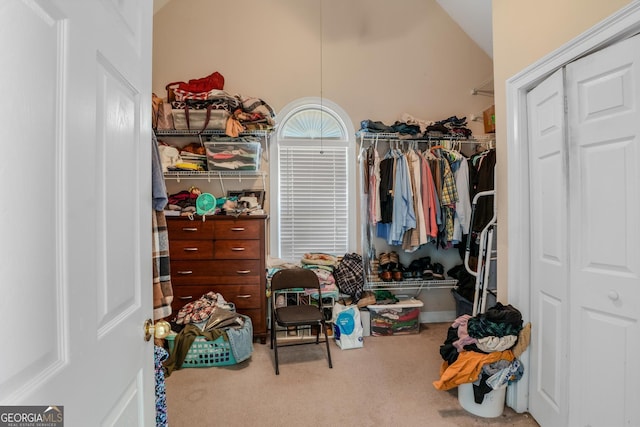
(401,318)
(489,116)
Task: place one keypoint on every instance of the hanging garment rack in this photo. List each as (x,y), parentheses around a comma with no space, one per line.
(397,140)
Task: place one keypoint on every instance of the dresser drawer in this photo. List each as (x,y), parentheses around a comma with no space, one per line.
(191,249)
(243,296)
(183,295)
(237,249)
(238,229)
(258,322)
(180,228)
(228,272)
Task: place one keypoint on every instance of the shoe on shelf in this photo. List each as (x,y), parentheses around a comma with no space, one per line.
(415,268)
(383,261)
(438,271)
(427,271)
(386,276)
(394,259)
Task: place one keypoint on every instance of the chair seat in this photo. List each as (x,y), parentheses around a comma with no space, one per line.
(298,315)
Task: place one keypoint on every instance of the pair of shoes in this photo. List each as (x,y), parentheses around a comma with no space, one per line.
(427,269)
(390,261)
(386,276)
(438,271)
(395,259)
(384,261)
(415,268)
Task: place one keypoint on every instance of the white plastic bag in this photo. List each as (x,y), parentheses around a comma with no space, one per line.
(347,326)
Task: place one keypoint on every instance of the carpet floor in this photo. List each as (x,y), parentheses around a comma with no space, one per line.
(388,382)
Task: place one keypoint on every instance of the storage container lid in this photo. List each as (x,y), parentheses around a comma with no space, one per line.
(403,303)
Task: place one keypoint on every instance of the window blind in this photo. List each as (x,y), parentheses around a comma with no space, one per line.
(313,200)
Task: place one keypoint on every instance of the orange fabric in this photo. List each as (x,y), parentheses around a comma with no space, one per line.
(233,128)
(467,368)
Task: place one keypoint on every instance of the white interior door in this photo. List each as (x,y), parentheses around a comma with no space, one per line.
(604,127)
(76,219)
(549,265)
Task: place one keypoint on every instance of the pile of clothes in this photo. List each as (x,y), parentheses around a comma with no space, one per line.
(484,350)
(211,316)
(322,265)
(410,127)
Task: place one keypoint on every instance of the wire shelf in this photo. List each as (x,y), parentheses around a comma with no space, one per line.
(184,132)
(409,284)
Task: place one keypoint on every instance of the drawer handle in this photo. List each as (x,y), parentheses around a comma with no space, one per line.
(237,249)
(189,229)
(243,271)
(185,272)
(243,296)
(237,229)
(191,249)
(186,298)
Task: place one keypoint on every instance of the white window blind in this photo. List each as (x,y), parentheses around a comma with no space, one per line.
(313,199)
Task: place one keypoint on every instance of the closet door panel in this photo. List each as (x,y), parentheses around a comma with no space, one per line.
(549,268)
(604,125)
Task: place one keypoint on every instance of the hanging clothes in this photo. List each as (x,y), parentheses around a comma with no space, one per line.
(162,287)
(430,203)
(417,236)
(485,164)
(462,217)
(420,197)
(403,212)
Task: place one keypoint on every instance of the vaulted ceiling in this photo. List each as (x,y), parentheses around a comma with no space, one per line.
(473,16)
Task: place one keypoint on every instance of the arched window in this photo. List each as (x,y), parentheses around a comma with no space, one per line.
(313,195)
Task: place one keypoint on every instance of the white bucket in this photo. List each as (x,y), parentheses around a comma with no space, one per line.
(492,405)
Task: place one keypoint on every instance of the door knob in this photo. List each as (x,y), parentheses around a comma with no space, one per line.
(158,330)
(613,295)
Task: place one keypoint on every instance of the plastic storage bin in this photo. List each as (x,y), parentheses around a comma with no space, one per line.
(223,156)
(401,318)
(463,305)
(492,405)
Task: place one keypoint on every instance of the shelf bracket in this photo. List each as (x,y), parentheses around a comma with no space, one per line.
(221,183)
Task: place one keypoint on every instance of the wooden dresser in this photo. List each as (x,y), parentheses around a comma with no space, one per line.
(223,254)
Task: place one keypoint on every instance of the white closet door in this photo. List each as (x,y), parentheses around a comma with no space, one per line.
(604,127)
(76,226)
(549,268)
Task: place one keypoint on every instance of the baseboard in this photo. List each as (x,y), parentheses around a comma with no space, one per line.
(437,316)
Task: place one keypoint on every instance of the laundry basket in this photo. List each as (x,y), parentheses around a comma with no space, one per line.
(203,353)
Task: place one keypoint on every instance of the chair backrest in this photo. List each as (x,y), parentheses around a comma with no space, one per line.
(294,278)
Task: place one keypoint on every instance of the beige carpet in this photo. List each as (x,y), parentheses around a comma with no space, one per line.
(388,382)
